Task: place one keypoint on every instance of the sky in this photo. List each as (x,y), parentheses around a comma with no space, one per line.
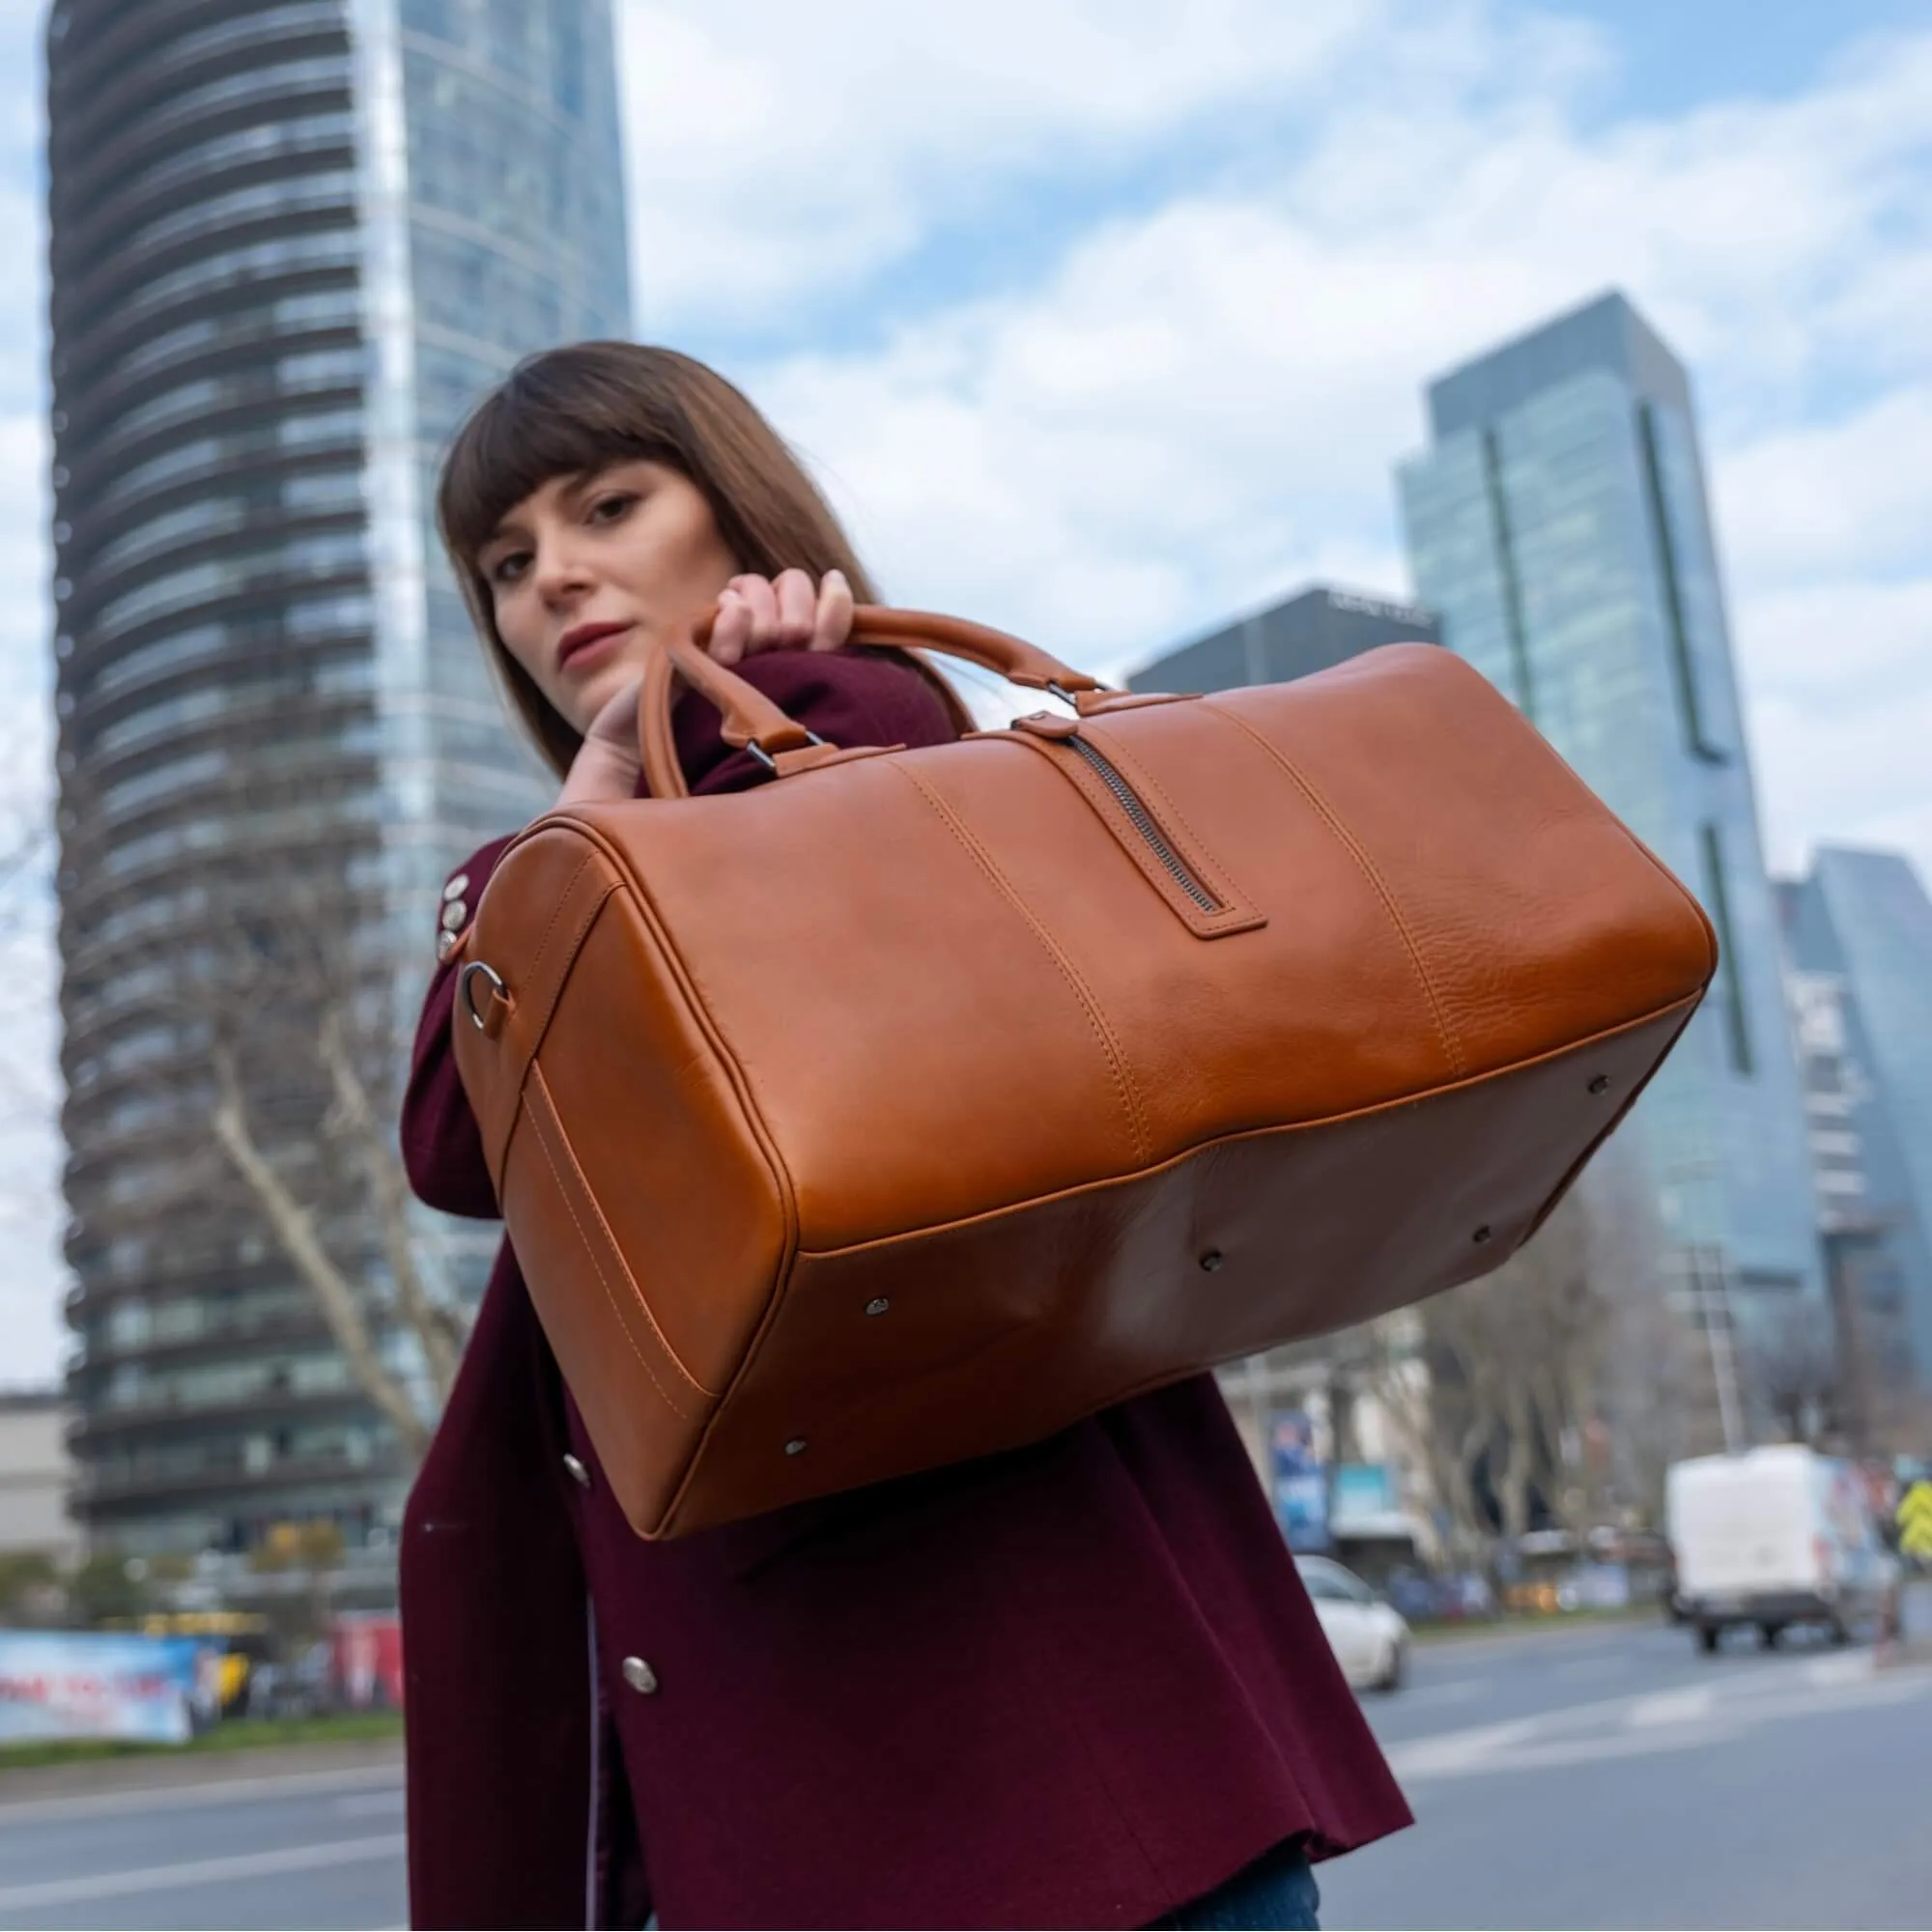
(1104,320)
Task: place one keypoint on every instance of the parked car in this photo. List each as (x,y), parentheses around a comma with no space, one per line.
(1369,1638)
(1777,1536)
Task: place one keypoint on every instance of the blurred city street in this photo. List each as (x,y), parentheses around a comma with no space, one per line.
(292,1848)
(1614,1777)
(1598,1776)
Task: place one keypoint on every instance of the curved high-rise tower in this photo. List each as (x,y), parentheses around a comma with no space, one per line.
(291,243)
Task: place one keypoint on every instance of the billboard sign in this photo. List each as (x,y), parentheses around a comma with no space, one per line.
(98,1684)
(1300,1482)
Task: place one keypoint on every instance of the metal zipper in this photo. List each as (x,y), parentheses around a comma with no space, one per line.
(1143,822)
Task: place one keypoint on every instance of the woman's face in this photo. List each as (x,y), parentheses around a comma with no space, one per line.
(588,574)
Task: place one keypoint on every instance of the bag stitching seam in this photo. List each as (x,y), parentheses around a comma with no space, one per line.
(1233,1136)
(576,938)
(1451,1044)
(543,1140)
(617,1251)
(1122,1082)
(542,1020)
(557,912)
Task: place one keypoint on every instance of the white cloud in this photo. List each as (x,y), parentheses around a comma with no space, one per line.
(1851,494)
(1195,397)
(778,153)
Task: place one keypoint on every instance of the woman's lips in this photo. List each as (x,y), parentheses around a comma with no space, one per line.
(577,652)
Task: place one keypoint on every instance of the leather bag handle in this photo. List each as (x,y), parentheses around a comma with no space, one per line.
(753,722)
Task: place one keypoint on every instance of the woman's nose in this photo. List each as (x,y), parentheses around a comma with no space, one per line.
(560,569)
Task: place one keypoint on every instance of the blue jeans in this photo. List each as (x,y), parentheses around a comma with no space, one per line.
(1276,1893)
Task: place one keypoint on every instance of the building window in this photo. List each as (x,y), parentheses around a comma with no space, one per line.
(1682,665)
(1506,572)
(1717,898)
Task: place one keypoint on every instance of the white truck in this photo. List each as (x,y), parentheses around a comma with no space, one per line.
(1776,1536)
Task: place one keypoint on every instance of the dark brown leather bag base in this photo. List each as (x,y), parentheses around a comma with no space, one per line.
(910,1107)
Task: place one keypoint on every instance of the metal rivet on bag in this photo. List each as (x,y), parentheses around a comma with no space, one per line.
(1211,1259)
(639,1676)
(1482,1234)
(454,916)
(456,888)
(796,1446)
(877,1305)
(578,1473)
(1601,1084)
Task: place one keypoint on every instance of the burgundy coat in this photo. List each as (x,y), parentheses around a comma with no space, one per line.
(1075,1685)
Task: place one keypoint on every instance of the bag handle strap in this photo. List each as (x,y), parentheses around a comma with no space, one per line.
(753,722)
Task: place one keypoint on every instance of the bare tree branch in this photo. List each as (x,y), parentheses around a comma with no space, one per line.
(437,1328)
(295,1229)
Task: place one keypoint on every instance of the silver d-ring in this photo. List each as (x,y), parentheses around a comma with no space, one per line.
(463,994)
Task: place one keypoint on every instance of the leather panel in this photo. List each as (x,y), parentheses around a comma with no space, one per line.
(996,1331)
(1505,857)
(645,1423)
(846,1030)
(681,1174)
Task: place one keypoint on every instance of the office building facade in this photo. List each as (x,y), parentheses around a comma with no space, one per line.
(291,244)
(1560,524)
(1858,934)
(1317,627)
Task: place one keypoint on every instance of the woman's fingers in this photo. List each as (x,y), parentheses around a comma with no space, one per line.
(616,720)
(731,629)
(785,612)
(761,600)
(607,764)
(834,622)
(797,609)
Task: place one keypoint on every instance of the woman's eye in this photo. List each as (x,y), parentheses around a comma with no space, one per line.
(508,567)
(609,509)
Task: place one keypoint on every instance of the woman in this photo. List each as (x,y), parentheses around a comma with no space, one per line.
(1076,1684)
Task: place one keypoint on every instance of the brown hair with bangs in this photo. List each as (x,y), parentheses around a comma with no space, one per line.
(575,411)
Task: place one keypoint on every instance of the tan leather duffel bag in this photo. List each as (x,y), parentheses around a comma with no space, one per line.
(918,1103)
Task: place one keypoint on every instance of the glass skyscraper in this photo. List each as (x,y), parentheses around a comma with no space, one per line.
(291,243)
(1559,522)
(1858,932)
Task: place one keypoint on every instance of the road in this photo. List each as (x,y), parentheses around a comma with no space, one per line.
(322,1849)
(1612,1777)
(1580,1778)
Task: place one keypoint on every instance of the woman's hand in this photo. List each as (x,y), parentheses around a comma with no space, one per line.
(608,763)
(785,612)
(754,613)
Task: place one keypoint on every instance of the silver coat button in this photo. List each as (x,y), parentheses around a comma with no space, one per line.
(639,1676)
(579,1474)
(446,943)
(457,887)
(454,914)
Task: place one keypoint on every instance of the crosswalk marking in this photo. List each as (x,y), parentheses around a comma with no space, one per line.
(1683,1718)
(1671,1707)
